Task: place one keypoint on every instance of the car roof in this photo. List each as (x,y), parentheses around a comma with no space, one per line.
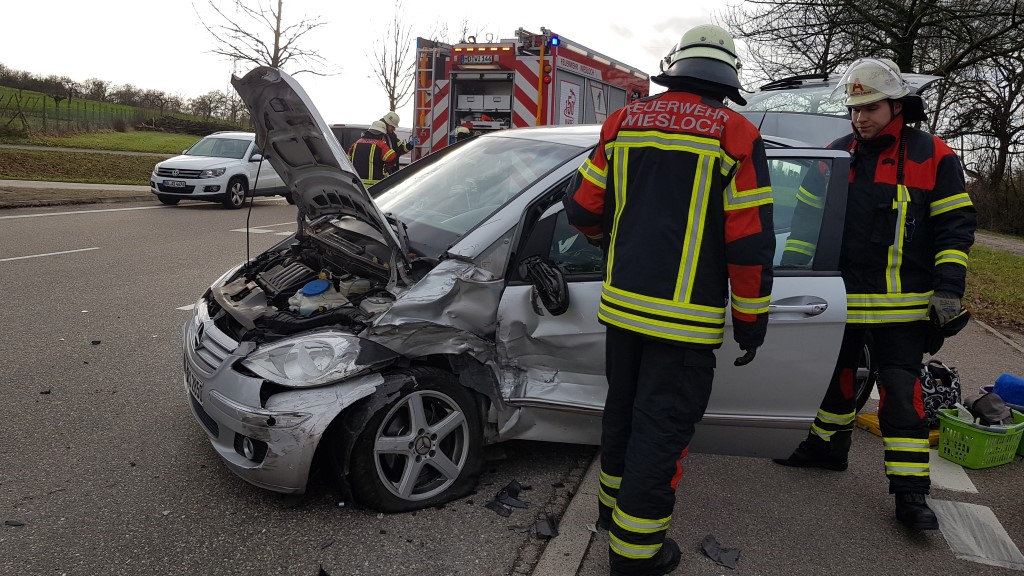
(239,135)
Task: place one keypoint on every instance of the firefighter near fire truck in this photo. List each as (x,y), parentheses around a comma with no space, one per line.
(678,195)
(371,155)
(400,147)
(909,227)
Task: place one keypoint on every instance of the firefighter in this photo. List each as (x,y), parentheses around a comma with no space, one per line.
(909,228)
(462,133)
(371,155)
(677,193)
(391,120)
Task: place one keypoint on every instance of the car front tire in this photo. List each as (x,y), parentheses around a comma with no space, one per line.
(420,450)
(168,200)
(867,372)
(289,198)
(237,191)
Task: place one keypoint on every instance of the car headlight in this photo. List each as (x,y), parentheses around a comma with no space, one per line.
(212,172)
(310,360)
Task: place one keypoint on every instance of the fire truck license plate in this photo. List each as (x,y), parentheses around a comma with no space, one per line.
(478,59)
(195,387)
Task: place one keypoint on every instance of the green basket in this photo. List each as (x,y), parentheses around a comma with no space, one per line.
(975,446)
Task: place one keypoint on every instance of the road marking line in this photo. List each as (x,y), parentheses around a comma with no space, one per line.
(189,307)
(949,475)
(48,254)
(974,533)
(254,230)
(79,212)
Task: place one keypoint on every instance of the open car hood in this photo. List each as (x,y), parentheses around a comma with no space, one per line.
(301,147)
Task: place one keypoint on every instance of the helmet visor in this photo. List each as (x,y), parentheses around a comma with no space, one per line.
(871,80)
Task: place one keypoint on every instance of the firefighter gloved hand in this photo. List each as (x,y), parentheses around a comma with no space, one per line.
(746,358)
(412,141)
(943,306)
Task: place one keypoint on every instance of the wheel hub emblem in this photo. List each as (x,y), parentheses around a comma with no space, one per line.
(422,445)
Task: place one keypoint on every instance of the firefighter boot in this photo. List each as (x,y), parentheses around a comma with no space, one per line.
(816,453)
(604,517)
(913,511)
(664,562)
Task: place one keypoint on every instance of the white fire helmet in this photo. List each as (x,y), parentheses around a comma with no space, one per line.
(391,119)
(870,80)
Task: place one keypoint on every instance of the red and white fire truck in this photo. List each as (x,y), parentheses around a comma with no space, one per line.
(530,80)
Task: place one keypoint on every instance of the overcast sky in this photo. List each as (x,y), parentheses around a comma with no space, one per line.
(161,45)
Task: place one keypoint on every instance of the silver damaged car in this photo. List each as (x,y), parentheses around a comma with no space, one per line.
(395,335)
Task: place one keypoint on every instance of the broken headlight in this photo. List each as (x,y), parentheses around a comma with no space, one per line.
(306,361)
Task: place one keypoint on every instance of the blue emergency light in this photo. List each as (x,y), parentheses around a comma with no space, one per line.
(554,40)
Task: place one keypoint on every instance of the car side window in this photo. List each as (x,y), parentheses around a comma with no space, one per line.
(571,251)
(799,190)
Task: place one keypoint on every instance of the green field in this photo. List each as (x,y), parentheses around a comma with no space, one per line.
(90,167)
(153,142)
(995,293)
(35,102)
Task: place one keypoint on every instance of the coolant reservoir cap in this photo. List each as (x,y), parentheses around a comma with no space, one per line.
(315,287)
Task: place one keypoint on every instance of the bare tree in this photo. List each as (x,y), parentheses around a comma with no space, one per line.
(393,62)
(260,35)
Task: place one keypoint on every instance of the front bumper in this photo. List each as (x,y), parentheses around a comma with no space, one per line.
(202,189)
(283,434)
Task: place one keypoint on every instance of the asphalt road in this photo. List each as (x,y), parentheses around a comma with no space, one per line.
(103,465)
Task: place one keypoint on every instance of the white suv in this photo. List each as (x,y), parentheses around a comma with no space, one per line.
(221,167)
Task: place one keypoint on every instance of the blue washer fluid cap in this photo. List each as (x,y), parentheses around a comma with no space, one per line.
(315,287)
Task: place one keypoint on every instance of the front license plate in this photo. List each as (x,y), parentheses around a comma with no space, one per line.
(174,183)
(194,385)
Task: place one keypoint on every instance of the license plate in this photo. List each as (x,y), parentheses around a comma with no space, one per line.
(174,183)
(194,385)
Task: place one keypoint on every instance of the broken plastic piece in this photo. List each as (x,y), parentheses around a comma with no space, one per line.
(14,523)
(547,528)
(509,495)
(501,509)
(727,557)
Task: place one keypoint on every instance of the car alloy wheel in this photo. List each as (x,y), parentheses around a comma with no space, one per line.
(236,193)
(420,450)
(866,375)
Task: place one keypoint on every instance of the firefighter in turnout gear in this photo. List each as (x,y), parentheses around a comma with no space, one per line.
(909,228)
(678,195)
(400,147)
(371,155)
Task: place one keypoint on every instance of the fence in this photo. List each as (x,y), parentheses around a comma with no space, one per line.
(38,114)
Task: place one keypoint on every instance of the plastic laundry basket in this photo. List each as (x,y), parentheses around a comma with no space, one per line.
(1020,447)
(975,446)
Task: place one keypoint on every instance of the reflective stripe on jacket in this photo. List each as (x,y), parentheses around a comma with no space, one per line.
(371,155)
(901,242)
(678,191)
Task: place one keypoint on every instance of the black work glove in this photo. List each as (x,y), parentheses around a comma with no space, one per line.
(747,358)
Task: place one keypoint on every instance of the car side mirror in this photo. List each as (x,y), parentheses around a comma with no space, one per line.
(256,158)
(549,282)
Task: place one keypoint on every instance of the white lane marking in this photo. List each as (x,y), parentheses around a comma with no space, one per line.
(949,475)
(974,533)
(254,230)
(49,254)
(189,307)
(80,212)
(874,393)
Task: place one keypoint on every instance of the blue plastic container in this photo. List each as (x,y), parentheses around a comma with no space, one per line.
(1010,388)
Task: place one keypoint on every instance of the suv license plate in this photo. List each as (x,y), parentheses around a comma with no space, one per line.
(194,385)
(174,183)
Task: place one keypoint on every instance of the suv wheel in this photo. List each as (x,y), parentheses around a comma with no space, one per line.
(237,190)
(169,200)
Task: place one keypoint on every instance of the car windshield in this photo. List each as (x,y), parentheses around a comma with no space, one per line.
(219,148)
(816,99)
(443,200)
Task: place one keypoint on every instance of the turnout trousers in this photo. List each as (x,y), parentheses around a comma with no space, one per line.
(899,351)
(657,392)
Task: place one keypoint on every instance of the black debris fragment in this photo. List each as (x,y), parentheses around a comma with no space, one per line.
(501,509)
(383,531)
(509,495)
(13,523)
(327,545)
(96,342)
(727,557)
(47,391)
(547,528)
(322,572)
(558,485)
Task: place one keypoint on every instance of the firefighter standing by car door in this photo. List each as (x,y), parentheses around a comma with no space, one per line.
(678,194)
(909,227)
(400,147)
(371,155)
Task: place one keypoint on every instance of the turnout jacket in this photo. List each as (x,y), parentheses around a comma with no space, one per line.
(370,155)
(909,224)
(678,193)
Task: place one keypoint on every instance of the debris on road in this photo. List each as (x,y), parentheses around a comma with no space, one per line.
(508,498)
(547,528)
(727,557)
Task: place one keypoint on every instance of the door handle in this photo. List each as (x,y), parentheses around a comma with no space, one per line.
(810,309)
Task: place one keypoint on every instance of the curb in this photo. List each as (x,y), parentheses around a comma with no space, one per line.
(76,201)
(1000,335)
(564,554)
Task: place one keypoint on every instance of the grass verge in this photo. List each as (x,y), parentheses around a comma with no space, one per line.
(995,293)
(89,167)
(132,141)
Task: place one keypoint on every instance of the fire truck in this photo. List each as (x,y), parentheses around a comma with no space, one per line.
(530,80)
